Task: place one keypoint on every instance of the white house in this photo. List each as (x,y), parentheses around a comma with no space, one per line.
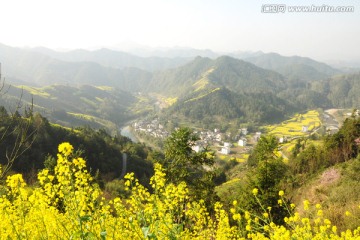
(257,136)
(242,142)
(218,137)
(305,128)
(227,144)
(197,148)
(244,131)
(225,150)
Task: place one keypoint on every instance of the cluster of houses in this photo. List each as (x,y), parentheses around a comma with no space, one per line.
(151,127)
(216,138)
(207,137)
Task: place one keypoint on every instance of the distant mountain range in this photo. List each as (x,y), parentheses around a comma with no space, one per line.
(115,59)
(44,66)
(176,52)
(258,87)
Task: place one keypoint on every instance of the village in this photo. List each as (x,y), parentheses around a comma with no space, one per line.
(222,143)
(240,144)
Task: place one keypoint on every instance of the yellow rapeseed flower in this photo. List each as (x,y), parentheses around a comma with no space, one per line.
(255,191)
(65,148)
(306,204)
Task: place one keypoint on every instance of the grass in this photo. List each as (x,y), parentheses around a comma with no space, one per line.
(337,195)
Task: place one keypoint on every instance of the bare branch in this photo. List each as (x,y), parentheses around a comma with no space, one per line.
(18,127)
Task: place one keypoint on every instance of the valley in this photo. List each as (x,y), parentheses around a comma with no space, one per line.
(154,120)
(227,127)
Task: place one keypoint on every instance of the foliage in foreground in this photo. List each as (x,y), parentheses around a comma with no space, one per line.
(68,205)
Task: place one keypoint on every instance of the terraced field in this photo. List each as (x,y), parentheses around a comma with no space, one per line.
(294,126)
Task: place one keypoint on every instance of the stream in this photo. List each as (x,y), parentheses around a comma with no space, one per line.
(126,131)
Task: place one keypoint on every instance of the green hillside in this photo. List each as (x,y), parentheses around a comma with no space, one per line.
(222,104)
(342,91)
(294,68)
(234,74)
(99,107)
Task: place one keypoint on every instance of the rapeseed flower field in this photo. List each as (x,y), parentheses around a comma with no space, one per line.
(67,204)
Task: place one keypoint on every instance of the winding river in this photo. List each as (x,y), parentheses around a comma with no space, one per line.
(126,131)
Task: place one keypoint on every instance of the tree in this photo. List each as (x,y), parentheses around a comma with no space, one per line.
(266,176)
(264,150)
(182,163)
(15,128)
(342,146)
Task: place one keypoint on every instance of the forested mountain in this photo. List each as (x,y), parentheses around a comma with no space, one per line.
(294,68)
(221,90)
(235,74)
(224,105)
(342,91)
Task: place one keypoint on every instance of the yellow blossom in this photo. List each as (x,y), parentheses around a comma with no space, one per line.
(65,148)
(306,204)
(255,191)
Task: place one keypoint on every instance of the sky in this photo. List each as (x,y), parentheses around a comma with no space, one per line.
(219,25)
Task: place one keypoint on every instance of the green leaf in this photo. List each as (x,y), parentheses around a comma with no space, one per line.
(103,235)
(85,218)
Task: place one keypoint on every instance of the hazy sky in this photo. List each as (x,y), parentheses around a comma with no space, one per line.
(220,25)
